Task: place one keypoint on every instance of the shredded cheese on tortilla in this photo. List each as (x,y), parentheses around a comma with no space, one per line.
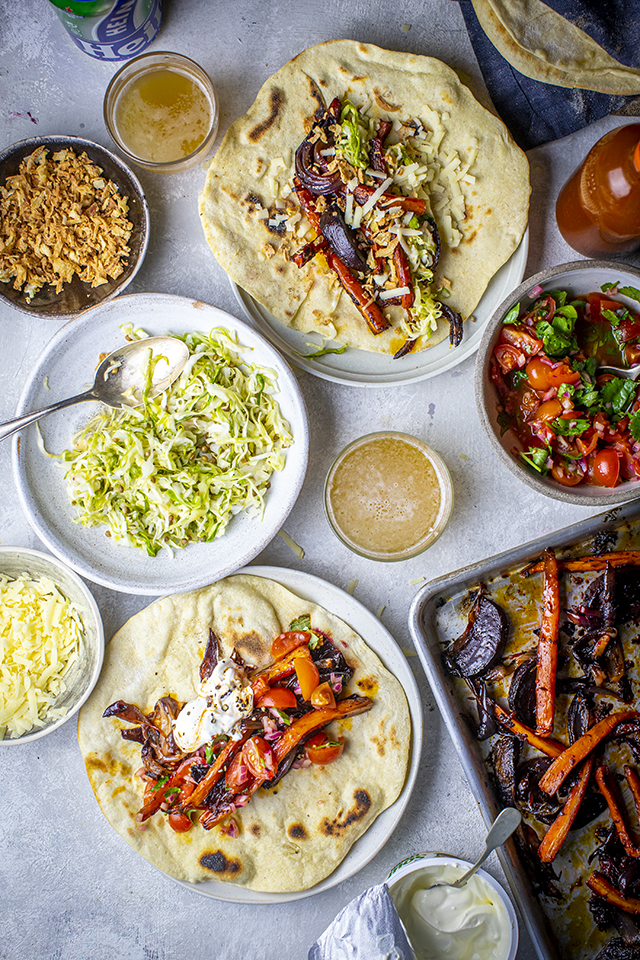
(40,640)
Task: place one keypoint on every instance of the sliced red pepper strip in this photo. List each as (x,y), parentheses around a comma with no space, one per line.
(376,320)
(404,276)
(214,772)
(559,829)
(318,718)
(617,558)
(260,682)
(604,888)
(547,745)
(548,647)
(608,790)
(571,757)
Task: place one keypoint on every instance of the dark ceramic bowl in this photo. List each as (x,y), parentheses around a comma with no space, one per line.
(578,277)
(78,295)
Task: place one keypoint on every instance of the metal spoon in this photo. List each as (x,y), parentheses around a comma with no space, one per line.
(503,826)
(629,373)
(120,378)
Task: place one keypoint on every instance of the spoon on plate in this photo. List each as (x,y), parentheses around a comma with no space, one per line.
(503,826)
(120,378)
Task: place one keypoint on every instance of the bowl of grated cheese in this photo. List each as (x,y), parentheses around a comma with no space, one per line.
(51,644)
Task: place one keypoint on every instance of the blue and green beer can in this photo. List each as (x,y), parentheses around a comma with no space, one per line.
(111,29)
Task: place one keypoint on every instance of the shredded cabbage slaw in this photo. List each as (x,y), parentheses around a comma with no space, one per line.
(176,469)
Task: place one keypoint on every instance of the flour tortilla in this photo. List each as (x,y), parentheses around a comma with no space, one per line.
(543,45)
(292,836)
(400,86)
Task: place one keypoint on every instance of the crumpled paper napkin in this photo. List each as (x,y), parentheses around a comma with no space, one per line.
(368,928)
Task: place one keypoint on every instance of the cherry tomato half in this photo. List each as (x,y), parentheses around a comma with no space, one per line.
(321,749)
(521,340)
(237,773)
(259,758)
(543,375)
(280,698)
(509,357)
(284,643)
(308,677)
(179,822)
(567,475)
(323,696)
(549,410)
(606,468)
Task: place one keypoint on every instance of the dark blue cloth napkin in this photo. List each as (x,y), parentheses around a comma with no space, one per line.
(537,112)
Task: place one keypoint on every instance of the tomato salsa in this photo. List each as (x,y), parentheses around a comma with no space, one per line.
(575,421)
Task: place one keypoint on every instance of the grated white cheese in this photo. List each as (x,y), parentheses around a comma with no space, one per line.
(395,292)
(40,640)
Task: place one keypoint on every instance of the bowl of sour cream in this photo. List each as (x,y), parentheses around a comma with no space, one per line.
(473,922)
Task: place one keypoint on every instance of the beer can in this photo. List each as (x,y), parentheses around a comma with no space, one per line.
(111,29)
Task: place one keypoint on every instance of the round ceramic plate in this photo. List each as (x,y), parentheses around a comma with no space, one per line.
(66,368)
(363,622)
(359,368)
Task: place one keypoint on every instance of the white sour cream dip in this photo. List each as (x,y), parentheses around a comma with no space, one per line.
(469,923)
(223,700)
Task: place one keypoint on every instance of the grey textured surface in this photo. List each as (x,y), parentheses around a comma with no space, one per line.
(72,888)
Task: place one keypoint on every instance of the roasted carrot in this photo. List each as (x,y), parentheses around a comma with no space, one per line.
(159,794)
(376,320)
(608,790)
(571,757)
(214,772)
(633,782)
(604,888)
(559,829)
(403,270)
(362,193)
(548,647)
(549,746)
(318,718)
(617,558)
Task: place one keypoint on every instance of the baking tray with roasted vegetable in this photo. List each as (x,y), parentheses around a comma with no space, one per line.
(533,658)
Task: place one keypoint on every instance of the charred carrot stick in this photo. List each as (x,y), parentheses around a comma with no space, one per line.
(573,755)
(617,558)
(309,251)
(362,193)
(315,719)
(403,271)
(633,782)
(376,320)
(559,829)
(549,746)
(548,647)
(604,888)
(214,772)
(609,792)
(159,795)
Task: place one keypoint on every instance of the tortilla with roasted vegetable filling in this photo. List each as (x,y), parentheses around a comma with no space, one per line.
(290,836)
(405,127)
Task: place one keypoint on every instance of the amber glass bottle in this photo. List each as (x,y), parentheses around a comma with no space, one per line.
(598,209)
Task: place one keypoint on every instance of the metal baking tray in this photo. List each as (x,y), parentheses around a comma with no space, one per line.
(438,614)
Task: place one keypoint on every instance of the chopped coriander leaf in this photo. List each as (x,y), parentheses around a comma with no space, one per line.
(614,318)
(564,427)
(568,311)
(632,292)
(634,425)
(286,719)
(537,458)
(301,623)
(160,782)
(557,337)
(560,296)
(586,368)
(618,395)
(518,377)
(503,422)
(609,286)
(513,315)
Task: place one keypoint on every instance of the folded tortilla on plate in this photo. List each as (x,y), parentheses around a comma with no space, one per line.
(475,180)
(290,836)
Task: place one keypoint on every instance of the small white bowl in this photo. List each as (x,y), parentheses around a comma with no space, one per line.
(83,676)
(578,277)
(422,861)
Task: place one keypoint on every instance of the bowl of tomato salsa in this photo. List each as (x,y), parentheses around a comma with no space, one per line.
(554,411)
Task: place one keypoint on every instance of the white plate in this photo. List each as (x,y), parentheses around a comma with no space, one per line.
(67,365)
(376,636)
(359,368)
